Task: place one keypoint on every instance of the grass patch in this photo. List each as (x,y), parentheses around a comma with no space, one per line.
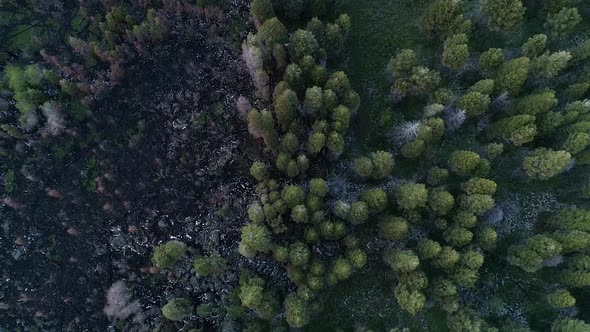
(379,30)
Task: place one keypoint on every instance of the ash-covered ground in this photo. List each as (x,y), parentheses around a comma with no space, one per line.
(166,162)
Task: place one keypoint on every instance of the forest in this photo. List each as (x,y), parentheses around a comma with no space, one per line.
(295,165)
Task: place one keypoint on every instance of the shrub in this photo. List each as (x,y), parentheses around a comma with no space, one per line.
(168,254)
(205,266)
(177,309)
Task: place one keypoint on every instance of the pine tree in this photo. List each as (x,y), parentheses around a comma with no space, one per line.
(544,163)
(512,75)
(563,23)
(504,14)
